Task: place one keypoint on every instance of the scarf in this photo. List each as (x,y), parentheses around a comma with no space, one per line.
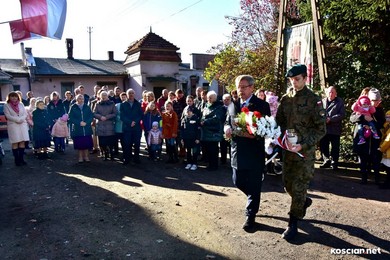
(15,106)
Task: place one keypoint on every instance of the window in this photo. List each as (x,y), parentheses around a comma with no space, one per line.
(16,87)
(157,91)
(66,86)
(109,84)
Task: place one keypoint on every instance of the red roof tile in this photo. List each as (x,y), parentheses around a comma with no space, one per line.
(150,41)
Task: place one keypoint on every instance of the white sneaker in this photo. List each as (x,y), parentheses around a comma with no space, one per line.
(194,167)
(188,166)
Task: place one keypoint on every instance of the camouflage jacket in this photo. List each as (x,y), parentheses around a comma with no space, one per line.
(303,111)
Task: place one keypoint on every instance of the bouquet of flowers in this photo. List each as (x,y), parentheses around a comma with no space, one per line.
(253,123)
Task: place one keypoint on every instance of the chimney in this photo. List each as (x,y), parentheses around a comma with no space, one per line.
(22,50)
(69,48)
(110,55)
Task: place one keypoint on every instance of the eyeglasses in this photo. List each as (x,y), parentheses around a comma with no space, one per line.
(243,86)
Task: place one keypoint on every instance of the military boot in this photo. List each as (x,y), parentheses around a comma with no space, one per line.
(308,203)
(292,229)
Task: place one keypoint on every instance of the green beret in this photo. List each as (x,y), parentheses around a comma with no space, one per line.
(296,70)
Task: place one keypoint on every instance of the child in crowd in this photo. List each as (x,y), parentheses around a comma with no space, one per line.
(363,107)
(41,132)
(151,115)
(30,109)
(59,132)
(385,149)
(272,100)
(169,131)
(190,134)
(154,141)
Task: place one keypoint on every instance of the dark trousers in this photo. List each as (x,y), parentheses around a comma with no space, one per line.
(224,147)
(118,138)
(370,162)
(192,154)
(212,151)
(59,143)
(155,151)
(334,141)
(131,139)
(249,182)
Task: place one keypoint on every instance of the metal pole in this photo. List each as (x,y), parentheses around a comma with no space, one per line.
(90,32)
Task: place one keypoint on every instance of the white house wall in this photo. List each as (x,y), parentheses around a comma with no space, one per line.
(139,71)
(6,88)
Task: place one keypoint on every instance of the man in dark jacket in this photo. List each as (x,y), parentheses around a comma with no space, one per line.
(131,116)
(335,113)
(247,153)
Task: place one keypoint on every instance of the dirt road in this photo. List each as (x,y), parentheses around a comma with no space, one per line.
(59,209)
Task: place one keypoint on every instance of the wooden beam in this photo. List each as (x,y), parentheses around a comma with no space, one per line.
(319,43)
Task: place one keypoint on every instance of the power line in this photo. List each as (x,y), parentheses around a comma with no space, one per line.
(182,10)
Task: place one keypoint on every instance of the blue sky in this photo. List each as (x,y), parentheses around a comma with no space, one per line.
(192,25)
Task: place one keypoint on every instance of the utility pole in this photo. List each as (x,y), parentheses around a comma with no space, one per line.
(90,32)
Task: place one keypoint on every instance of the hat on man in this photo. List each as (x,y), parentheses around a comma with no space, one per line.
(374,94)
(296,70)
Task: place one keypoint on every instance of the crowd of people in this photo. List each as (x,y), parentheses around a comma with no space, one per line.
(200,127)
(110,122)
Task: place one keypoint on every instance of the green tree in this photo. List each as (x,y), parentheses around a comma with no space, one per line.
(252,46)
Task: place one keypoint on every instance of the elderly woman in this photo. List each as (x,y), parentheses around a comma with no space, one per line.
(212,122)
(105,113)
(17,126)
(80,118)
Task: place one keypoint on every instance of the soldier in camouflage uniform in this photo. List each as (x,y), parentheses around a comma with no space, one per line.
(302,110)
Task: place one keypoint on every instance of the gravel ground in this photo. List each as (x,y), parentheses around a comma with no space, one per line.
(59,209)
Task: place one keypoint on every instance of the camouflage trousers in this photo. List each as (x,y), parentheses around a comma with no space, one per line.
(296,179)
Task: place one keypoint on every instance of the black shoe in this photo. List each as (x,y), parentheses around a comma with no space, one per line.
(93,151)
(137,161)
(22,162)
(249,224)
(292,229)
(363,181)
(326,164)
(308,203)
(385,185)
(169,161)
(335,167)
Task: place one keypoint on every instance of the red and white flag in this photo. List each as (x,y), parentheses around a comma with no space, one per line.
(20,33)
(39,17)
